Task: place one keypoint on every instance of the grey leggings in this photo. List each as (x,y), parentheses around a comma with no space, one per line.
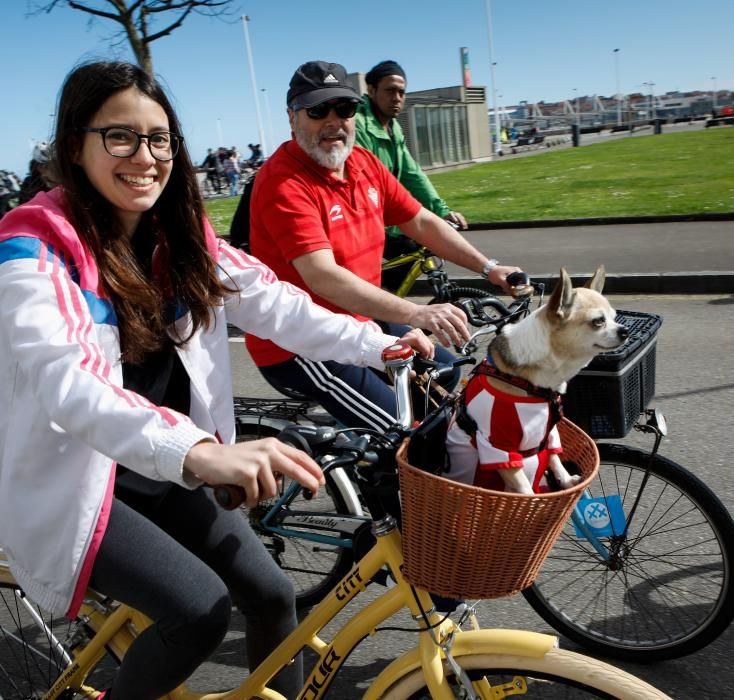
(183,567)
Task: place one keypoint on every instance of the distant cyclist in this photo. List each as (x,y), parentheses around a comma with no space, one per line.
(378,130)
(256,155)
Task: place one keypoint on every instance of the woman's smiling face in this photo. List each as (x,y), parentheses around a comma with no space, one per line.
(133,184)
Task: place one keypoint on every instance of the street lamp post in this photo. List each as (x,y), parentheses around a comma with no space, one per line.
(497,146)
(713,95)
(619,93)
(576,100)
(652,100)
(245,20)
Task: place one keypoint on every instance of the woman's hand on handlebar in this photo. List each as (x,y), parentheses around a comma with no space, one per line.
(254,466)
(420,342)
(518,284)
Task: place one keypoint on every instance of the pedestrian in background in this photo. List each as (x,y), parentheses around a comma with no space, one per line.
(232,172)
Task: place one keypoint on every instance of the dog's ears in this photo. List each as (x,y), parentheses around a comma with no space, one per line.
(597,281)
(561,301)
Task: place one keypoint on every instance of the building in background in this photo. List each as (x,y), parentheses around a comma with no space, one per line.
(443,127)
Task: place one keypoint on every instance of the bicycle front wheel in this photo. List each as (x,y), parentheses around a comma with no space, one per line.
(666,588)
(313,567)
(560,674)
(36,648)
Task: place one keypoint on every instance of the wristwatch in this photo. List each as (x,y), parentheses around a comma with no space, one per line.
(489,266)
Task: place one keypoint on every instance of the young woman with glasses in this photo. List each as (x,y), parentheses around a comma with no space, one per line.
(115,297)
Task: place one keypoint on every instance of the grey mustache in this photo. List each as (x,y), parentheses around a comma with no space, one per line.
(333,134)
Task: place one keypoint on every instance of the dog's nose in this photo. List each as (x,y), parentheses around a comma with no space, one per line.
(623,333)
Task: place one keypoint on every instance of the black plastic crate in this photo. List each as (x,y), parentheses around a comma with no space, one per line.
(607,397)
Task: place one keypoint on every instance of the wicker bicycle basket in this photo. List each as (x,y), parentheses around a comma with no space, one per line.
(468,542)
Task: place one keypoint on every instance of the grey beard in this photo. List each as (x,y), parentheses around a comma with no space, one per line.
(332,159)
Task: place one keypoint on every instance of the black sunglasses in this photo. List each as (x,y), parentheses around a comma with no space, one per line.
(345,109)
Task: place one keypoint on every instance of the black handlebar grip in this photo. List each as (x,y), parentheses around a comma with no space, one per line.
(517,279)
(229,496)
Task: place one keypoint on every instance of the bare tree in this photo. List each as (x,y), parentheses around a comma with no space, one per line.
(142,21)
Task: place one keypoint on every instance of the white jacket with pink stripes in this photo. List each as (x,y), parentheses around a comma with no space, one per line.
(65,419)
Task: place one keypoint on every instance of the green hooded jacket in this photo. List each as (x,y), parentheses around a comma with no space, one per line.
(394,154)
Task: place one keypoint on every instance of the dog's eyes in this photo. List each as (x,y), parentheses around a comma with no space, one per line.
(598,322)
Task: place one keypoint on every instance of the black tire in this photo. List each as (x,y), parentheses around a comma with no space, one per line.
(33,646)
(559,674)
(667,590)
(313,568)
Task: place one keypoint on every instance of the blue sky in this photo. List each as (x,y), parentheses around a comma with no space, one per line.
(543,49)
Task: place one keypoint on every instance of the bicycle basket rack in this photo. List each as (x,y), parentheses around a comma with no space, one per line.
(464,541)
(282,409)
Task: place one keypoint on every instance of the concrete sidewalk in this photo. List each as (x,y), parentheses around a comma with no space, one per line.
(684,257)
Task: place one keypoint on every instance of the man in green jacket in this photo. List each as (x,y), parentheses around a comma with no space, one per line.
(378,130)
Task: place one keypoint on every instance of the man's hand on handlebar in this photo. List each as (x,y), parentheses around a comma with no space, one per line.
(511,279)
(456,219)
(445,321)
(254,466)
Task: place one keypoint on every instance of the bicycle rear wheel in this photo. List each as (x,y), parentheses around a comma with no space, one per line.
(666,589)
(559,674)
(314,568)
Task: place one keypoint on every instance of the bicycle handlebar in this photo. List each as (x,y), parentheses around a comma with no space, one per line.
(333,448)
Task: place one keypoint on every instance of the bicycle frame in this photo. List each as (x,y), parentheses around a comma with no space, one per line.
(276,517)
(116,631)
(422,262)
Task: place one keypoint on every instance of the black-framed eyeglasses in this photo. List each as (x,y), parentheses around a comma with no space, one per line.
(345,109)
(121,142)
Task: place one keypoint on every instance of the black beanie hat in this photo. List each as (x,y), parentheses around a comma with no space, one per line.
(381,70)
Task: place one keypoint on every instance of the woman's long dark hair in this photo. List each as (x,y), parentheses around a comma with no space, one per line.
(185,273)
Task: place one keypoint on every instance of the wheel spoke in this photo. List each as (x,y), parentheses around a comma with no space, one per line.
(666,589)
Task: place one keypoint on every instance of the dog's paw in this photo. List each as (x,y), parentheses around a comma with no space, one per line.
(568,480)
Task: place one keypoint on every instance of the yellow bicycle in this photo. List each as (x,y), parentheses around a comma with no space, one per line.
(422,262)
(41,660)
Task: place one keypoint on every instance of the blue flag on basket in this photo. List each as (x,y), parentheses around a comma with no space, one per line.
(603,516)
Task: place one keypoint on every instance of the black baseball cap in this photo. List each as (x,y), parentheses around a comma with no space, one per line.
(316,82)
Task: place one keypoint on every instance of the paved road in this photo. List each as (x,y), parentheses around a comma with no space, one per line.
(682,257)
(695,389)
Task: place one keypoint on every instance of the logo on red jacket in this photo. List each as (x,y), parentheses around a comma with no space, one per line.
(374,196)
(335,213)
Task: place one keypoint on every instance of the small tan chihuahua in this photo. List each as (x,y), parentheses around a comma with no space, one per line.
(513,398)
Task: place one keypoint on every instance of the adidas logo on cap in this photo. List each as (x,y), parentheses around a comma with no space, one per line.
(330,79)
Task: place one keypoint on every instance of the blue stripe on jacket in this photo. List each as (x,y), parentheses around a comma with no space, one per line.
(28,247)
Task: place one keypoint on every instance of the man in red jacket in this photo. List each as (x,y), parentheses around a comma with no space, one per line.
(317,218)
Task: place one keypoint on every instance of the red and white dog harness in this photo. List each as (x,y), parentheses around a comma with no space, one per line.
(511,432)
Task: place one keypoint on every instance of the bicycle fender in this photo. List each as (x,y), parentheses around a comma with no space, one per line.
(494,641)
(349,493)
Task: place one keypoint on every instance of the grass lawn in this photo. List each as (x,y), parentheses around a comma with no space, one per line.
(683,173)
